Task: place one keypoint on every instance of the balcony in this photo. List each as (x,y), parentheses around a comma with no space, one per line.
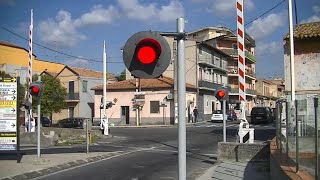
(213,63)
(233,70)
(72,97)
(208,85)
(248,91)
(251,57)
(234,53)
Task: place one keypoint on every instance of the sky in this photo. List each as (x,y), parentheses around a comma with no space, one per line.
(79,27)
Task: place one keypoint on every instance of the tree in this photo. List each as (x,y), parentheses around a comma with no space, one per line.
(122,76)
(53,95)
(21,89)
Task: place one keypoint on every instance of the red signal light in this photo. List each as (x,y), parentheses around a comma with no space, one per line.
(34,90)
(148,50)
(220,94)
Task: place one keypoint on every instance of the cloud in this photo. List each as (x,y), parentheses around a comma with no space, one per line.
(263,27)
(133,9)
(224,7)
(315,17)
(270,48)
(60,31)
(77,63)
(316,9)
(63,31)
(98,15)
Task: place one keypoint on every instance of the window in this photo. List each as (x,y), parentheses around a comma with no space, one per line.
(84,86)
(154,107)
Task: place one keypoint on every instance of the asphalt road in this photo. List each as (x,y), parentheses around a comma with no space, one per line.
(151,153)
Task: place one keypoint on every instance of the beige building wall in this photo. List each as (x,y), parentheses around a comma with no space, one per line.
(307,66)
(123,98)
(65,77)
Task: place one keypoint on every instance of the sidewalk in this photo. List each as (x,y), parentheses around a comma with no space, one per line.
(237,171)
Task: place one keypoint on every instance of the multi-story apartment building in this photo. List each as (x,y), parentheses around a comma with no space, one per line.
(226,41)
(268,92)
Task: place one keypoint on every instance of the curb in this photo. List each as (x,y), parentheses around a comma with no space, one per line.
(60,167)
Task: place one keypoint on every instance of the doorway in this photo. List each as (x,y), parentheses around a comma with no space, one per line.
(125,113)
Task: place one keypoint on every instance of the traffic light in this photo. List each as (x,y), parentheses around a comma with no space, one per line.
(146,54)
(221,94)
(35,89)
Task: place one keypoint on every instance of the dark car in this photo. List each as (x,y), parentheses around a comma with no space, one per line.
(45,122)
(261,114)
(76,122)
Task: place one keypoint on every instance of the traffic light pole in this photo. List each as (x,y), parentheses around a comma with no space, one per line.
(224,121)
(38,122)
(181,101)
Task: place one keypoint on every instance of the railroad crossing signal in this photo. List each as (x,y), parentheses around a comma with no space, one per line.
(146,54)
(221,94)
(35,89)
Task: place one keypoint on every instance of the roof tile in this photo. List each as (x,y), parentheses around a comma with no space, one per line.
(305,31)
(162,82)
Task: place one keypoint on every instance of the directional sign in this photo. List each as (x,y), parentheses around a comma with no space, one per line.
(8,114)
(8,97)
(8,125)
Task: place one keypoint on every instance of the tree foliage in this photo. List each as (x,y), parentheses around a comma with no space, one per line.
(53,95)
(122,76)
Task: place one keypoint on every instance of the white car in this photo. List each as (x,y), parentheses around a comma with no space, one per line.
(217,115)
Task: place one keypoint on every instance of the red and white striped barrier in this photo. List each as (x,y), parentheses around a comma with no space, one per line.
(241,50)
(29,79)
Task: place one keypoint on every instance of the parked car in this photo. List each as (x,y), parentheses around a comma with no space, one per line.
(261,114)
(76,122)
(232,115)
(217,115)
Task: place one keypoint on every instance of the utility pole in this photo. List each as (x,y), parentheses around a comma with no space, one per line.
(105,117)
(38,121)
(181,100)
(175,78)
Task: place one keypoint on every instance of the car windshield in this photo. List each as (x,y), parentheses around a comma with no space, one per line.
(217,112)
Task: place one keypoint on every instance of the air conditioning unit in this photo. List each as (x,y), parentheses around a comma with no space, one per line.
(169,96)
(235,71)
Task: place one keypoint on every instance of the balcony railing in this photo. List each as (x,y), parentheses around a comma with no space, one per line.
(72,96)
(234,70)
(250,56)
(209,85)
(212,63)
(248,91)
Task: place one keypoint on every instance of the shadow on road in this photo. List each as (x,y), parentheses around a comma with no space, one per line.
(204,158)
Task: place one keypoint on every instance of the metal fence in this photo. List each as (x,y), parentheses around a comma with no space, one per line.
(298,129)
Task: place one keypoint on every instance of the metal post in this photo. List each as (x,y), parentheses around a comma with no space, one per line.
(297,136)
(181,101)
(137,107)
(280,127)
(105,117)
(224,122)
(293,95)
(315,101)
(87,135)
(175,88)
(38,122)
(287,132)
